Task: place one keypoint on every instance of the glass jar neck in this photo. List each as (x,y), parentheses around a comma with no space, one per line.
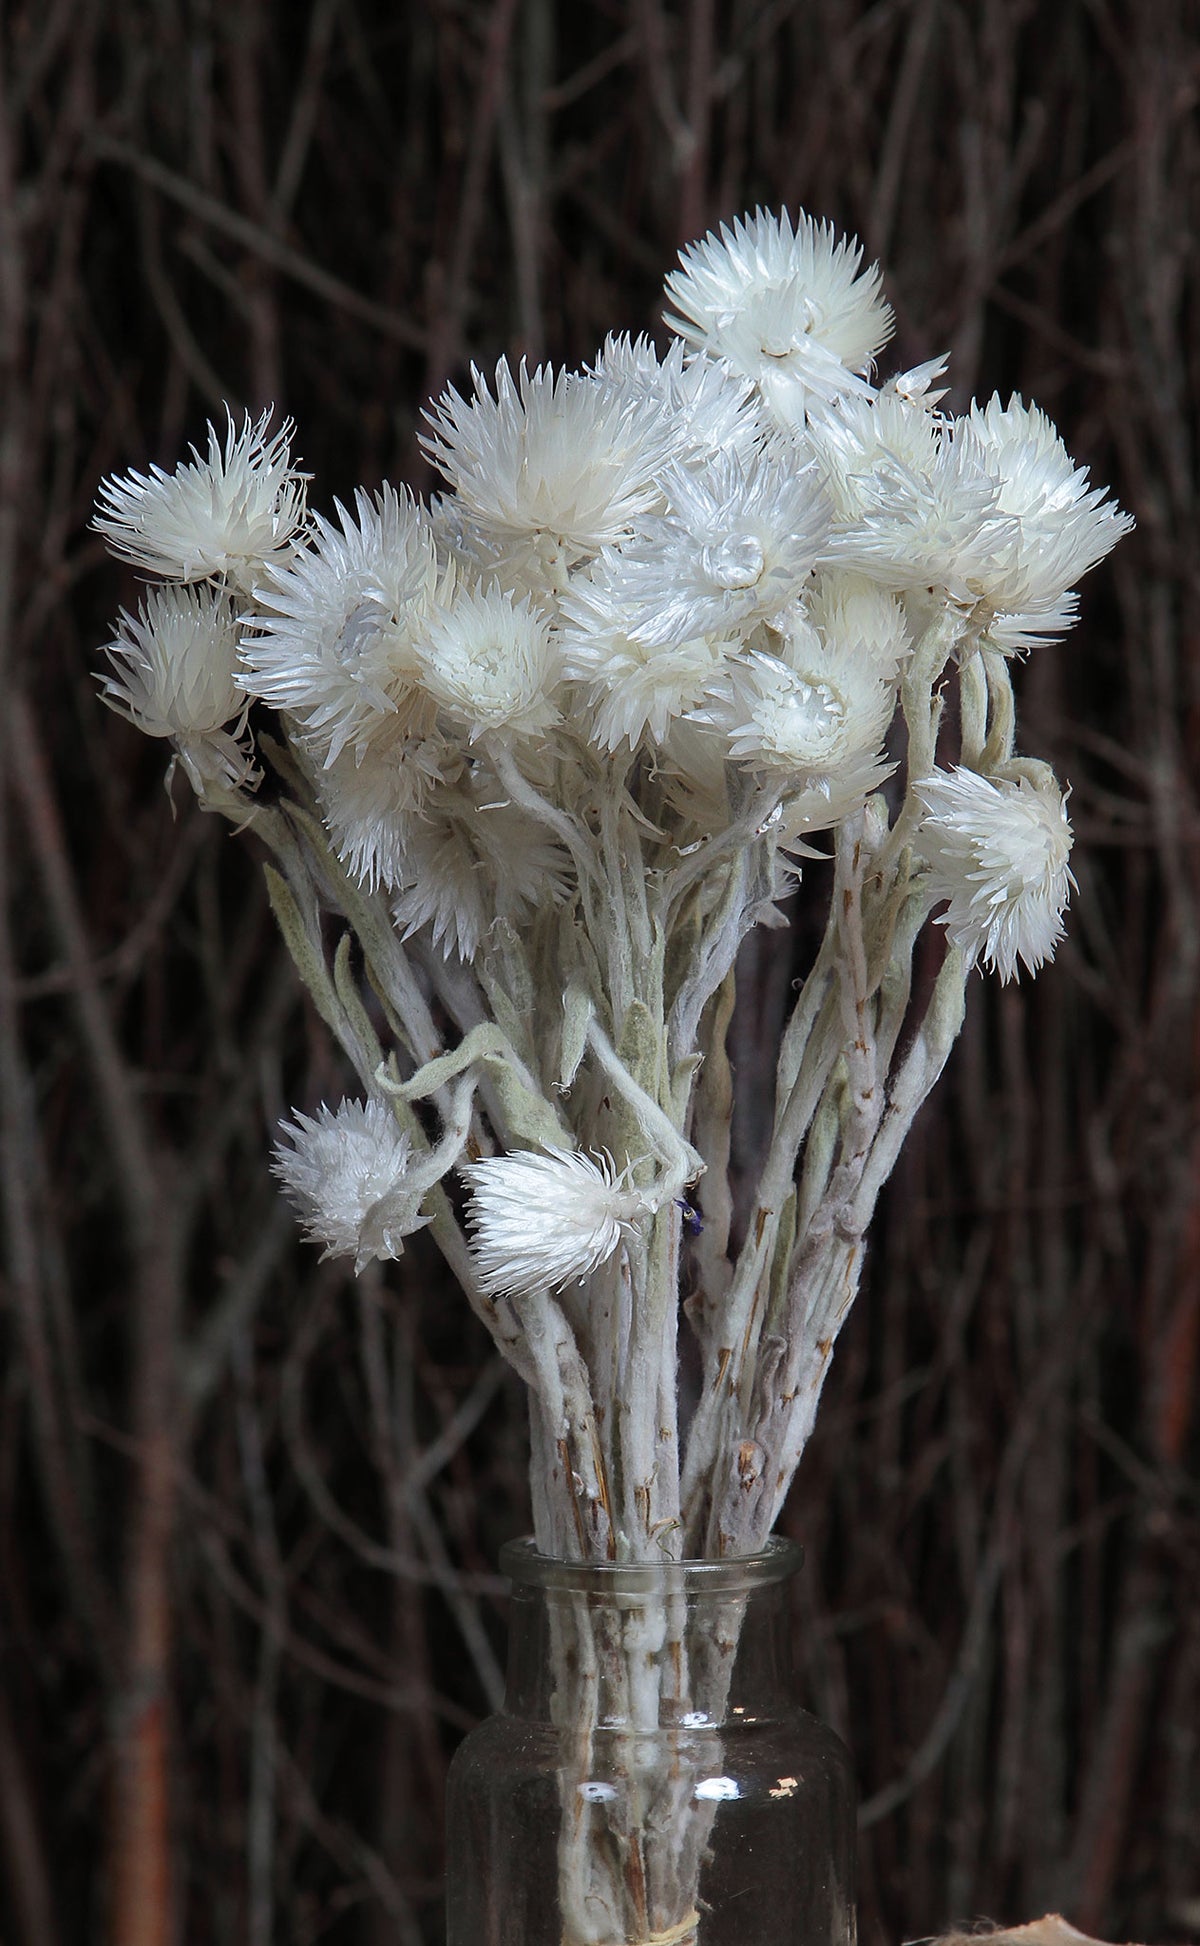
(692,1643)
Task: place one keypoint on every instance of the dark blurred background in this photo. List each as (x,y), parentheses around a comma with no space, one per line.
(249,1509)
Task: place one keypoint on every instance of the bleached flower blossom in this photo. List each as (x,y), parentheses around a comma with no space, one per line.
(867,449)
(735,545)
(1064,525)
(789,308)
(636,689)
(489,663)
(997,849)
(556,459)
(372,793)
(706,408)
(814,716)
(173,676)
(469,859)
(541,1221)
(221,517)
(857,620)
(803,731)
(346,1171)
(174,663)
(918,505)
(333,643)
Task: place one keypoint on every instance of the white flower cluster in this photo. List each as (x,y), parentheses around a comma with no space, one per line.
(702,572)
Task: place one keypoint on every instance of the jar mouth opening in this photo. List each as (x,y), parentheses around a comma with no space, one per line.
(525,1567)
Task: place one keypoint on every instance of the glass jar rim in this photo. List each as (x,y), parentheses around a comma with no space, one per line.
(525,1567)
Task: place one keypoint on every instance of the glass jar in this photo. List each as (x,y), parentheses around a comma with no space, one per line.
(650,1780)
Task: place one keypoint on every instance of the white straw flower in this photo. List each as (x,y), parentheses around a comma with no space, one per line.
(1064,526)
(345,1171)
(174,663)
(333,643)
(173,676)
(489,663)
(735,545)
(555,457)
(539,1222)
(815,715)
(997,851)
(790,309)
(372,793)
(869,449)
(855,618)
(636,689)
(223,516)
(919,505)
(470,859)
(707,408)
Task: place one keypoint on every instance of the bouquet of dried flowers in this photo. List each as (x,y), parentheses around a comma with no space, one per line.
(689,636)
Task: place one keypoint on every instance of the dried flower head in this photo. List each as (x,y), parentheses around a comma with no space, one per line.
(997,851)
(707,408)
(734,545)
(173,676)
(345,1171)
(223,517)
(372,794)
(489,663)
(470,859)
(560,456)
(636,689)
(333,642)
(790,308)
(815,714)
(919,506)
(541,1221)
(1064,525)
(174,663)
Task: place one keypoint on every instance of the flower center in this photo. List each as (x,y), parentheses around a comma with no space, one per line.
(360,631)
(734,563)
(812,717)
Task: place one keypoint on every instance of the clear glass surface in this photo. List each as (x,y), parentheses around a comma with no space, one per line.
(650,1780)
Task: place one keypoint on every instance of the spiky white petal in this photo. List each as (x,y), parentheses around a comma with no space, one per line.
(490,664)
(345,1170)
(789,308)
(334,640)
(997,849)
(916,386)
(225,516)
(558,459)
(541,1221)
